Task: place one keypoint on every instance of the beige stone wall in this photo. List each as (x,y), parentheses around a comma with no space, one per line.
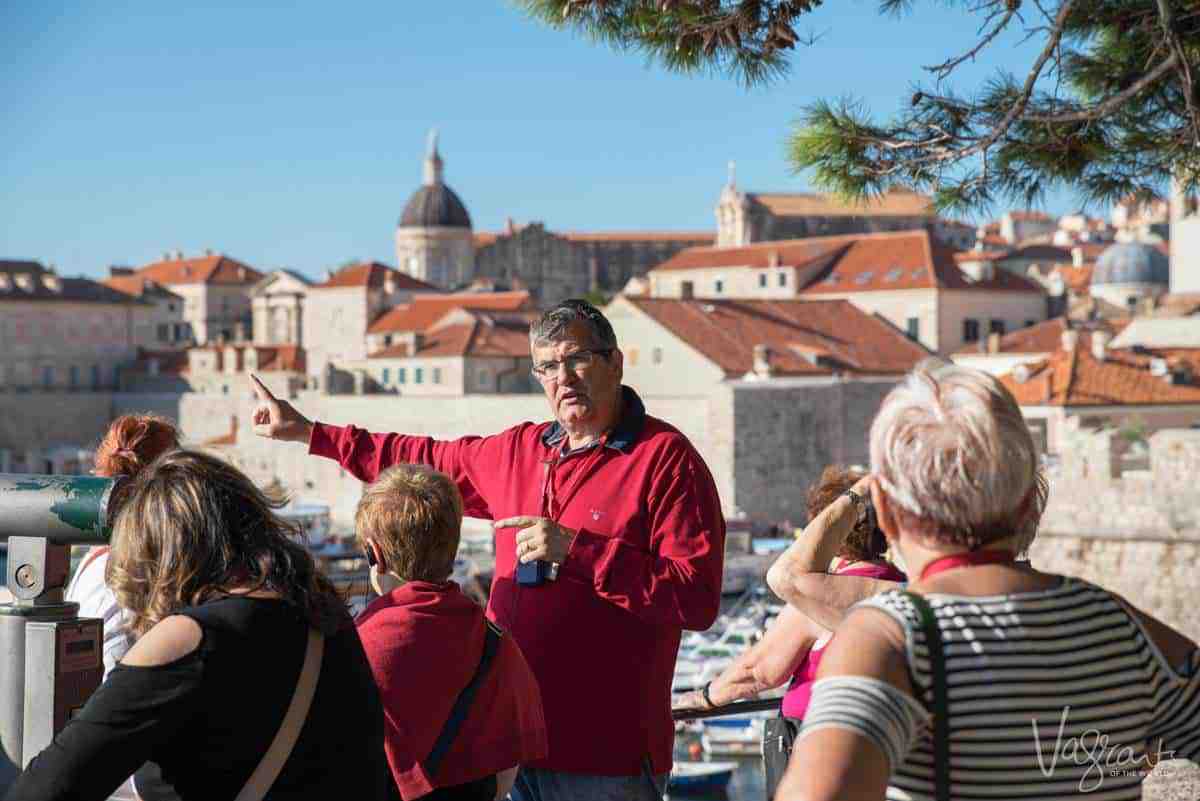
(726,283)
(68,345)
(443,376)
(897,308)
(1015,309)
(335,324)
(444,257)
(657,361)
(551,267)
(1185,242)
(1068,430)
(1134,532)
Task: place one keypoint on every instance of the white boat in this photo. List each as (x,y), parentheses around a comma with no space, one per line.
(312,517)
(733,741)
(691,777)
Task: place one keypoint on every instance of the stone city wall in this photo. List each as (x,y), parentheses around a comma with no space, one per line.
(1134,531)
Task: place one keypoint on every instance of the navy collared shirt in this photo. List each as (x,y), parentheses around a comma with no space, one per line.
(623,435)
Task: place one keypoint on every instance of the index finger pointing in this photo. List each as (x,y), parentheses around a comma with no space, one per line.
(516,522)
(260,389)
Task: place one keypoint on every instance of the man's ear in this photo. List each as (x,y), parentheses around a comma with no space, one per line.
(885,512)
(618,358)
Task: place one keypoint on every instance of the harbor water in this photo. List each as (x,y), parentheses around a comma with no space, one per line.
(747,783)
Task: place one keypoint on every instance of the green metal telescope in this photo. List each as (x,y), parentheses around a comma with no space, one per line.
(63,510)
(50,658)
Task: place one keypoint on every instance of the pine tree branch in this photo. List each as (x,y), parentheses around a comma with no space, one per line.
(1112,103)
(946,67)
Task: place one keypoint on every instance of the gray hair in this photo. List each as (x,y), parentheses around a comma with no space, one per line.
(950,446)
(552,325)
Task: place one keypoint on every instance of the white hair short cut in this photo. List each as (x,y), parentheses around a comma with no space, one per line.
(949,445)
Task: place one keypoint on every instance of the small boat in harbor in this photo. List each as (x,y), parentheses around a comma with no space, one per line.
(720,740)
(700,777)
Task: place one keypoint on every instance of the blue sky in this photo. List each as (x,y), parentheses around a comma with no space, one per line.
(291,134)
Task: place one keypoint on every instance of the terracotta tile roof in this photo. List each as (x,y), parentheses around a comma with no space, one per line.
(857,263)
(695,237)
(374,275)
(481,334)
(1123,378)
(994,240)
(1078,279)
(980,255)
(1030,216)
(170,362)
(227,439)
(271,358)
(1040,252)
(804,337)
(424,310)
(138,286)
(891,204)
(1045,337)
(203,270)
(482,240)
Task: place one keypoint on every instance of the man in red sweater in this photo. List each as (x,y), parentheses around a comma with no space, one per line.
(622,514)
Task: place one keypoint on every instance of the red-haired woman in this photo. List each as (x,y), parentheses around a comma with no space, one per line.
(132,442)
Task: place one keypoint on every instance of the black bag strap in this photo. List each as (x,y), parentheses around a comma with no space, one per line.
(941,700)
(462,705)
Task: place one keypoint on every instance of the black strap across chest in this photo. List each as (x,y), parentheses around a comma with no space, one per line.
(462,705)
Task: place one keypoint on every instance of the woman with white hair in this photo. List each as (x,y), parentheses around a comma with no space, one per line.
(985,680)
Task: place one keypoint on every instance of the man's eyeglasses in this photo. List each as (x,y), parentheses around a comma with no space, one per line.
(574,362)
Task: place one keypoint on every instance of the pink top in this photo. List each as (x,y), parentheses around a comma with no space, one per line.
(795,702)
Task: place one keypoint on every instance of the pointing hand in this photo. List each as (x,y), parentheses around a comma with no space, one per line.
(277,419)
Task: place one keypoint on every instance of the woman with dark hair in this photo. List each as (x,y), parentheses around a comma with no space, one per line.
(225,603)
(131,442)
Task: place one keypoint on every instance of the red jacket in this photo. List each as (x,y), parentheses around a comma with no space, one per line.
(424,642)
(645,565)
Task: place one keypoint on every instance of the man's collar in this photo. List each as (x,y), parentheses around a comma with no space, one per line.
(623,434)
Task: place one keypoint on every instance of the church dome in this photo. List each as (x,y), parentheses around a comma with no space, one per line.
(435,205)
(1132,263)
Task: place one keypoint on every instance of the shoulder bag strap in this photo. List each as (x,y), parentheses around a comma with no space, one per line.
(462,705)
(941,702)
(268,769)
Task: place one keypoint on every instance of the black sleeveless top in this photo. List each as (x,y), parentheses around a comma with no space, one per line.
(207,719)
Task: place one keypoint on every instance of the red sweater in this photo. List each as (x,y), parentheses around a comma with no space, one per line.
(424,642)
(645,565)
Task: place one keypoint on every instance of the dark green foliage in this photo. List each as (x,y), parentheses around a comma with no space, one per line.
(1110,107)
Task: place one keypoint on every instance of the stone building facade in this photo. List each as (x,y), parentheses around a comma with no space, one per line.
(277,306)
(215,290)
(66,334)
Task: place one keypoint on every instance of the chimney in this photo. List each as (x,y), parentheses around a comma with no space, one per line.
(389,284)
(1077,256)
(762,361)
(1100,340)
(993,342)
(179,255)
(773,258)
(209,252)
(687,290)
(1070,339)
(509,227)
(241,273)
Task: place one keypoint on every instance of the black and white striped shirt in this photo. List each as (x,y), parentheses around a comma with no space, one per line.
(1052,694)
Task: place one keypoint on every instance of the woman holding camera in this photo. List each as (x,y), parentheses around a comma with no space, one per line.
(247,679)
(988,679)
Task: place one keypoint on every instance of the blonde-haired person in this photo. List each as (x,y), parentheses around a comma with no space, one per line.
(131,442)
(425,641)
(222,598)
(1033,662)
